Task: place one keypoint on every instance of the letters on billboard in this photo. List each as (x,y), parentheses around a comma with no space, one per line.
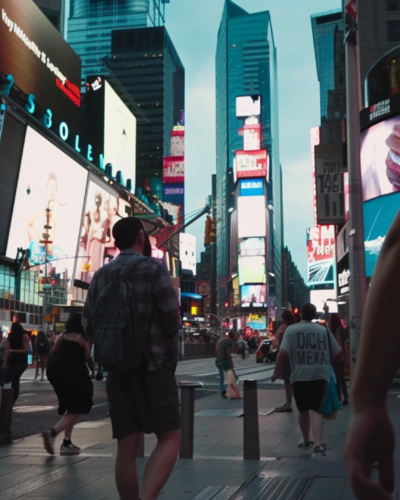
(321,255)
(173,169)
(251,188)
(251,164)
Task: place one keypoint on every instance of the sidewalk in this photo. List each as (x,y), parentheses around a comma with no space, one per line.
(216,473)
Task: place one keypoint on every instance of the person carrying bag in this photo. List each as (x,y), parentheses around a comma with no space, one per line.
(332,404)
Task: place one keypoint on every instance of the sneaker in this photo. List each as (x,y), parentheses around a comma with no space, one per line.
(69,449)
(320,451)
(306,445)
(48,442)
(283,409)
(223,394)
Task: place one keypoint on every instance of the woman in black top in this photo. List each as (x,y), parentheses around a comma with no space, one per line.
(16,356)
(68,373)
(41,352)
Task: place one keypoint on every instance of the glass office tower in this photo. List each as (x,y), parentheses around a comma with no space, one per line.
(245,65)
(90,23)
(147,65)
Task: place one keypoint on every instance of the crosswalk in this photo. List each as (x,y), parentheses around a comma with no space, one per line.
(244,368)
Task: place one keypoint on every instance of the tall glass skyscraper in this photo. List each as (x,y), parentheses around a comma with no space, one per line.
(246,65)
(90,23)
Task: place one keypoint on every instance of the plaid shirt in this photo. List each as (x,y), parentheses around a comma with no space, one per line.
(157,304)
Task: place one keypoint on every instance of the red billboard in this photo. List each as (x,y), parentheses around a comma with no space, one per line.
(251,137)
(173,169)
(251,164)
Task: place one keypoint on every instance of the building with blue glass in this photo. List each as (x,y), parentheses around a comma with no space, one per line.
(246,65)
(90,23)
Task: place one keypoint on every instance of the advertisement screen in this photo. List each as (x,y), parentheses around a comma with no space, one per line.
(253,295)
(173,169)
(251,215)
(252,246)
(256,321)
(251,188)
(119,136)
(343,276)
(321,255)
(251,270)
(380,159)
(251,163)
(187,252)
(96,244)
(178,143)
(321,297)
(174,200)
(378,216)
(251,137)
(54,181)
(41,62)
(247,105)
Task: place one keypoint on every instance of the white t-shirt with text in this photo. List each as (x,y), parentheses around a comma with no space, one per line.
(308,348)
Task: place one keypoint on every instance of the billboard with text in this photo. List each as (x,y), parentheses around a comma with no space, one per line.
(321,255)
(173,169)
(251,164)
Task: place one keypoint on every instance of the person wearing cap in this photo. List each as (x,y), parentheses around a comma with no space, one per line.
(145,401)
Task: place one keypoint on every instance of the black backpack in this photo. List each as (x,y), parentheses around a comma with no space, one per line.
(119,337)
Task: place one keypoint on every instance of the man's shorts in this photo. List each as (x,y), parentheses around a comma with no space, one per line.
(143,402)
(310,395)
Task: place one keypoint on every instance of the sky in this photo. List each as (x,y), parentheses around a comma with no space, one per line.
(193,27)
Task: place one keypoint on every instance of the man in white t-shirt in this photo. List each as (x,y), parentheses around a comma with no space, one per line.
(309,348)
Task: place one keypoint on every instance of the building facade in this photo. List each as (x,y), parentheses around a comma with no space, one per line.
(295,292)
(246,65)
(146,63)
(90,23)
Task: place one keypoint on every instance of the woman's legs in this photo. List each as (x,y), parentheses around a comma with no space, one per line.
(66,424)
(13,374)
(43,364)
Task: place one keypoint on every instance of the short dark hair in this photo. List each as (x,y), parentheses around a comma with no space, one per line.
(74,324)
(287,317)
(125,232)
(308,312)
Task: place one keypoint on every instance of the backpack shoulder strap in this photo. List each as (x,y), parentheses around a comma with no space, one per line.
(132,264)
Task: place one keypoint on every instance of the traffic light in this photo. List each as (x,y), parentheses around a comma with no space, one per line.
(207,234)
(213,234)
(226,304)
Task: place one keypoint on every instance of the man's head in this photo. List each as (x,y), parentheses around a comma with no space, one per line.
(128,233)
(231,335)
(308,312)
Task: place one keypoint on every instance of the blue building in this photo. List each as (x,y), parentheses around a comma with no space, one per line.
(246,64)
(90,23)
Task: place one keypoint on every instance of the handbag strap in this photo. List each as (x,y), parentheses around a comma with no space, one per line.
(329,344)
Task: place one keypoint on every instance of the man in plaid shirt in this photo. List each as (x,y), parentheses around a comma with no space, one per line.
(145,401)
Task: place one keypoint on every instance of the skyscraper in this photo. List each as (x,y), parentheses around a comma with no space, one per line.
(54,11)
(146,63)
(246,65)
(90,23)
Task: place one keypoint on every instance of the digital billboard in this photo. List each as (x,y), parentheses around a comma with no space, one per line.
(251,270)
(252,188)
(178,141)
(251,164)
(53,181)
(256,321)
(380,158)
(378,216)
(187,252)
(41,62)
(173,169)
(174,199)
(252,246)
(251,136)
(253,295)
(320,298)
(343,276)
(251,216)
(96,244)
(321,255)
(119,136)
(247,105)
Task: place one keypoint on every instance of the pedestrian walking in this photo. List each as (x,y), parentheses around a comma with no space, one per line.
(371,437)
(2,350)
(224,361)
(68,373)
(141,387)
(337,327)
(307,348)
(287,318)
(41,351)
(16,356)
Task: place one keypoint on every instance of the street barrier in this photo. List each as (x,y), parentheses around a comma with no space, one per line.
(7,403)
(251,438)
(187,417)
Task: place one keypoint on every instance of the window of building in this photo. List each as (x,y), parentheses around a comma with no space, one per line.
(392,5)
(393,31)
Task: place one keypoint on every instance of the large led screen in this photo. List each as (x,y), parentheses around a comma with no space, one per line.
(247,105)
(251,270)
(251,216)
(40,60)
(320,298)
(253,295)
(96,244)
(251,164)
(252,246)
(321,255)
(380,159)
(187,252)
(173,169)
(55,181)
(256,322)
(251,188)
(378,216)
(174,200)
(119,136)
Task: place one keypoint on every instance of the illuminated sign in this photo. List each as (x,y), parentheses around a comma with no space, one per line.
(173,169)
(252,246)
(251,163)
(253,295)
(251,216)
(248,106)
(251,269)
(174,200)
(321,255)
(251,137)
(251,188)
(256,322)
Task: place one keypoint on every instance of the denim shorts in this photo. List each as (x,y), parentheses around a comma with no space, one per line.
(143,402)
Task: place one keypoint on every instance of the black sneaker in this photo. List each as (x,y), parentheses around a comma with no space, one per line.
(69,449)
(320,451)
(306,445)
(223,394)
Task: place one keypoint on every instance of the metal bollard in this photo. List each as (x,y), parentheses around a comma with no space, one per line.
(187,417)
(251,437)
(7,403)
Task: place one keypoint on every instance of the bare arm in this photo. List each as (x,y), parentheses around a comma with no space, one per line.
(280,365)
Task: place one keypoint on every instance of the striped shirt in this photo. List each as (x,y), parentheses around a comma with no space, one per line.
(156,301)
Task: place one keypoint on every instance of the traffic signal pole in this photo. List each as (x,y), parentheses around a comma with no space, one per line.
(358,284)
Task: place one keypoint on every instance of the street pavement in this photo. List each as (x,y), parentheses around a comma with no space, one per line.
(217,471)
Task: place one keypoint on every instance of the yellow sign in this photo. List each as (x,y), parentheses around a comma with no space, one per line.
(87,267)
(193,310)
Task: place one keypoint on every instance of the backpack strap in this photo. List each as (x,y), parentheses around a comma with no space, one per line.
(131,265)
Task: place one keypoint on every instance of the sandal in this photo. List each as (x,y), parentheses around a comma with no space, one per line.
(283,409)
